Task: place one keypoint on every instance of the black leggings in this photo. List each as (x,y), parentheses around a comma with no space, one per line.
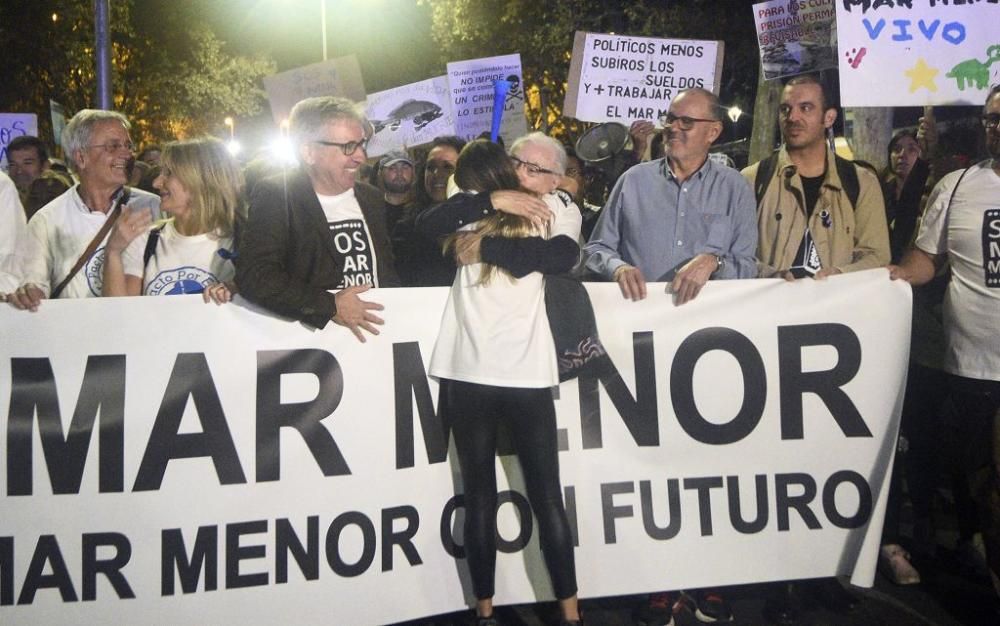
(474,412)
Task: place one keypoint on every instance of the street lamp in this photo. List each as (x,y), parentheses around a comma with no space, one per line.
(233,145)
(734,113)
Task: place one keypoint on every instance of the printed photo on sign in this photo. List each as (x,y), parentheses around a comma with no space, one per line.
(409,115)
(350,238)
(920,52)
(796,36)
(991,247)
(615,78)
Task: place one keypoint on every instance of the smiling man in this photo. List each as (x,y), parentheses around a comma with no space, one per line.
(682,219)
(66,237)
(818,214)
(315,237)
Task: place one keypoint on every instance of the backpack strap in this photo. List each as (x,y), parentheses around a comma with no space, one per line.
(150,250)
(848,173)
(765,171)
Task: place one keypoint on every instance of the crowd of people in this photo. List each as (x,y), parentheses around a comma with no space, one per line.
(498,226)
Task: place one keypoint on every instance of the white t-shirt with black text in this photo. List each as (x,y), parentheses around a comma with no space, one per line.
(351,239)
(968,231)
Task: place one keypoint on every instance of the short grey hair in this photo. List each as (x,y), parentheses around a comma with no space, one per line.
(79,130)
(309,115)
(544,141)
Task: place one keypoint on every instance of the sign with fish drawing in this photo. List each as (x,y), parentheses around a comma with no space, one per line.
(917,52)
(796,36)
(472,86)
(616,78)
(409,115)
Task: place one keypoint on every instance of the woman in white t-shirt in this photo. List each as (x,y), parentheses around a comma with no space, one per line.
(495,360)
(200,189)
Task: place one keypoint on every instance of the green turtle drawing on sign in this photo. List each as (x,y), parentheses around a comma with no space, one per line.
(975,71)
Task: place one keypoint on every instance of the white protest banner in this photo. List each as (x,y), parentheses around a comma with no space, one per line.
(918,52)
(336,77)
(796,36)
(471,86)
(15,125)
(409,115)
(616,78)
(216,465)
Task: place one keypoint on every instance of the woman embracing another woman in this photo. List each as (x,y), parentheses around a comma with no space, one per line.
(495,357)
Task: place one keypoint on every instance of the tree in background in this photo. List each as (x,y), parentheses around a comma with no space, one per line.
(171,81)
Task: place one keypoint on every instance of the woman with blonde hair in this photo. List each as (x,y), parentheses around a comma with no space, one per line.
(192,251)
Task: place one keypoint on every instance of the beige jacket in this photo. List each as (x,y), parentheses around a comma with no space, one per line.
(856,239)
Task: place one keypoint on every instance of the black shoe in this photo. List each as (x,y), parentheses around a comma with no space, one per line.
(658,610)
(832,595)
(781,607)
(711,607)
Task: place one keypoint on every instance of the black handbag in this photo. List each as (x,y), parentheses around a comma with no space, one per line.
(574,328)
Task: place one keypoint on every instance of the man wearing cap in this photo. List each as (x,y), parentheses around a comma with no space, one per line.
(394,176)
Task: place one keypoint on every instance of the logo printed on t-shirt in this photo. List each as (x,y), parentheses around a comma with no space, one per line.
(180,280)
(991,247)
(350,239)
(94,270)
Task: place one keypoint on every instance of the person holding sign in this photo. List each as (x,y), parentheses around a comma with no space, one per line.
(66,237)
(316,229)
(495,356)
(683,218)
(961,225)
(201,188)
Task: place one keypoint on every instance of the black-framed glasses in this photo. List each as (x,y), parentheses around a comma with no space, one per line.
(348,147)
(534,170)
(991,120)
(113,147)
(686,122)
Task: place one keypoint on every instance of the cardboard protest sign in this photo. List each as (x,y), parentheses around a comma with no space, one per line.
(14,125)
(58,115)
(409,115)
(796,36)
(616,78)
(336,77)
(471,86)
(918,52)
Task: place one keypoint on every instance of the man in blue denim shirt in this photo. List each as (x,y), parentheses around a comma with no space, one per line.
(682,219)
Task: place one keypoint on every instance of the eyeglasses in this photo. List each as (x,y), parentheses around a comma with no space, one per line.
(347,148)
(991,121)
(533,170)
(114,146)
(686,123)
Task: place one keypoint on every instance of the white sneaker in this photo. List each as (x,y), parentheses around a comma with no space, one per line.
(895,564)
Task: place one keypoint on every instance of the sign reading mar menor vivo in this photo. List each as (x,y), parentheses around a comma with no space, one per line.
(170,458)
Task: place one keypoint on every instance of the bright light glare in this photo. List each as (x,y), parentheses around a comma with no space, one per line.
(234,147)
(283,152)
(734,113)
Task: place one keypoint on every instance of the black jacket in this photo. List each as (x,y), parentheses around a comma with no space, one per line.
(287,261)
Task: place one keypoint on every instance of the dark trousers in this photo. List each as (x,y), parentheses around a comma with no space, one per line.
(474,412)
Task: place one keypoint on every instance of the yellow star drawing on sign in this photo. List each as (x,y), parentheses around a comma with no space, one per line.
(922,75)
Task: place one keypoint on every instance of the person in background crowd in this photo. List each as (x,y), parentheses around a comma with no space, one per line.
(44,189)
(706,214)
(574,182)
(138,171)
(810,226)
(12,237)
(495,366)
(66,237)
(418,257)
(394,176)
(904,182)
(27,159)
(315,228)
(150,154)
(200,187)
(961,225)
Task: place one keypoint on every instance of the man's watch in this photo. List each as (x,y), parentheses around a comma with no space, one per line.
(720,263)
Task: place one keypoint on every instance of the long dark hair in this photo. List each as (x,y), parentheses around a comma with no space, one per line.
(484,167)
